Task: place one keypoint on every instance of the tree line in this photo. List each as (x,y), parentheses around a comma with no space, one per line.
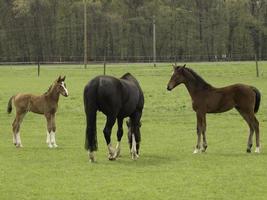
(122,30)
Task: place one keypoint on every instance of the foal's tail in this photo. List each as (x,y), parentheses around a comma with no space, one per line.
(90,108)
(258,99)
(9,105)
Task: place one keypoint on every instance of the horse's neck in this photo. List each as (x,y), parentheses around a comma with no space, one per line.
(194,89)
(53,94)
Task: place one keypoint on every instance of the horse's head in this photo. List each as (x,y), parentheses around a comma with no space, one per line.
(61,86)
(177,77)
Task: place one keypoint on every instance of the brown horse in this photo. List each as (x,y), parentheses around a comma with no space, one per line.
(208,99)
(45,104)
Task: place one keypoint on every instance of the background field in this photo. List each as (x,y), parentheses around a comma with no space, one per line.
(167,169)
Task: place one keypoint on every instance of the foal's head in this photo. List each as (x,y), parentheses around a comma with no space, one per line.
(60,86)
(177,77)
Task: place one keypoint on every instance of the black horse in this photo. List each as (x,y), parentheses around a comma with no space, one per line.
(117,99)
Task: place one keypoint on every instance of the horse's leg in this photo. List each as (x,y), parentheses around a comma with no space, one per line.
(134,135)
(16,128)
(53,131)
(249,118)
(49,130)
(119,136)
(205,144)
(199,131)
(14,124)
(257,133)
(107,133)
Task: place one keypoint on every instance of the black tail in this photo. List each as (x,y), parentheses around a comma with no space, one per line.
(9,105)
(258,99)
(90,108)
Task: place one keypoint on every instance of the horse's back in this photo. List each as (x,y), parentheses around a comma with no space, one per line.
(22,100)
(113,96)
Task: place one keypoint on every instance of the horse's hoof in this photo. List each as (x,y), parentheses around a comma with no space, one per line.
(257,150)
(111,158)
(55,145)
(50,146)
(196,151)
(248,150)
(135,156)
(19,145)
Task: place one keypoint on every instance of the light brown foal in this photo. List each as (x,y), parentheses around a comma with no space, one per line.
(208,99)
(45,104)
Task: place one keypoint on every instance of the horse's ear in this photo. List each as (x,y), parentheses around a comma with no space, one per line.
(184,65)
(59,79)
(140,124)
(173,66)
(63,79)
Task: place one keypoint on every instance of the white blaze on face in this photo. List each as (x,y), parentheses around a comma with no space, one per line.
(65,89)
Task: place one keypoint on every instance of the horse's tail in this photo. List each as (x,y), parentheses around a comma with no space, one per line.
(257,98)
(9,105)
(90,108)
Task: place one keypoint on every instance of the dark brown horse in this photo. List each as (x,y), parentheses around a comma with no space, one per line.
(45,104)
(208,99)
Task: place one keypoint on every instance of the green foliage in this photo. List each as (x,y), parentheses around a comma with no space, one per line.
(52,30)
(166,168)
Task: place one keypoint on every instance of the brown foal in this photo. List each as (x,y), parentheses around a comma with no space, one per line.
(45,104)
(208,99)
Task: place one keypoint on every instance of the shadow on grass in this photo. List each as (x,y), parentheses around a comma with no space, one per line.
(239,154)
(146,159)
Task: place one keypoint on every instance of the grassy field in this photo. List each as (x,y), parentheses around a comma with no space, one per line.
(167,169)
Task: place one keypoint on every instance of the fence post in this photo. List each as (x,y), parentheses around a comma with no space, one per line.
(104,65)
(38,67)
(257,67)
(85,33)
(154,41)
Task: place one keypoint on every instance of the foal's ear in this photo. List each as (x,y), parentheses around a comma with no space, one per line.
(59,79)
(140,124)
(184,65)
(63,79)
(174,66)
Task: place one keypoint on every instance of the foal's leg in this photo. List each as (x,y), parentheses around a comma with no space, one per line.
(119,136)
(51,130)
(200,119)
(249,120)
(257,133)
(205,144)
(107,133)
(16,127)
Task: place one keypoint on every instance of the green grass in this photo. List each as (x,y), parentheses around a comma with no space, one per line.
(167,169)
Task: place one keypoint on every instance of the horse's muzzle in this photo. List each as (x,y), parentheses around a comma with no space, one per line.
(169,88)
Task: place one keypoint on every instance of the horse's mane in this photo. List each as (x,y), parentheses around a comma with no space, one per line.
(49,89)
(201,82)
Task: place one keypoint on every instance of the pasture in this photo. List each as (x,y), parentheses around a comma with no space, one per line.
(166,169)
